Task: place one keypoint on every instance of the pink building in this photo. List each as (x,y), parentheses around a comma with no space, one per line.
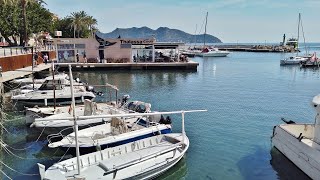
(118,50)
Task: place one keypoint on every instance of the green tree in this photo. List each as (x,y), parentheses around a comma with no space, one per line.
(81,23)
(24,4)
(12,21)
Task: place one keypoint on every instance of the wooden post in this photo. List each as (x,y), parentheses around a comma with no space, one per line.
(1,119)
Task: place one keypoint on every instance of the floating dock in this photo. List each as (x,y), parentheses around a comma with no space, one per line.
(190,65)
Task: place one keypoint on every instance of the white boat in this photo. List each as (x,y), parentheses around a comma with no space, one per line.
(88,109)
(29,80)
(215,52)
(211,52)
(300,143)
(116,132)
(295,60)
(37,116)
(143,159)
(46,94)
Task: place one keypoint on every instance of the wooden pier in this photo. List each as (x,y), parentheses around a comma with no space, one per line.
(191,65)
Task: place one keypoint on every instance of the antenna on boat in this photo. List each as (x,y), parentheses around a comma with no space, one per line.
(298,33)
(75,120)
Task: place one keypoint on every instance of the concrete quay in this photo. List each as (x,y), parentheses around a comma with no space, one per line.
(10,75)
(191,65)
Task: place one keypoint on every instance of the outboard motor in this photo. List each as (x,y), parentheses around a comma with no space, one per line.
(77,80)
(90,88)
(125,99)
(165,121)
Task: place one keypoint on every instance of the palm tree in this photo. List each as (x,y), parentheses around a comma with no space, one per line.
(78,21)
(91,22)
(24,16)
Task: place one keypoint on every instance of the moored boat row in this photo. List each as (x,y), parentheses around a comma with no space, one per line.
(126,139)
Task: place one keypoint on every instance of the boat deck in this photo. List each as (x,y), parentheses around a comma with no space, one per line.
(106,162)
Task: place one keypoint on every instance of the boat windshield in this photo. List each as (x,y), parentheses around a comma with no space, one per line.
(48,85)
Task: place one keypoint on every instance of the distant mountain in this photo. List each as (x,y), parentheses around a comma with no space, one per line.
(162,34)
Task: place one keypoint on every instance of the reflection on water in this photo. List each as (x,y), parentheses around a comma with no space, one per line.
(178,171)
(256,165)
(285,168)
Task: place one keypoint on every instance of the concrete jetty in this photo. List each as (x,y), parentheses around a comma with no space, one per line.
(257,48)
(190,65)
(10,75)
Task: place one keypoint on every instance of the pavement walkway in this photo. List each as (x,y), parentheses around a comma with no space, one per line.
(10,75)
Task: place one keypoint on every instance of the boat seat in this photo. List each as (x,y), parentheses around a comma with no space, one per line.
(98,136)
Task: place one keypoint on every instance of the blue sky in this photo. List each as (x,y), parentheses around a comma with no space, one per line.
(230,20)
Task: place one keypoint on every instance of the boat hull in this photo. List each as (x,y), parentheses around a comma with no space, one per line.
(50,101)
(220,54)
(304,156)
(285,62)
(90,149)
(143,159)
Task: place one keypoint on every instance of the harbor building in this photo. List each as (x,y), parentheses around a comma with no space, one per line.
(119,50)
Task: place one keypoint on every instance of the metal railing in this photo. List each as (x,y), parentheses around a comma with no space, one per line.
(13,51)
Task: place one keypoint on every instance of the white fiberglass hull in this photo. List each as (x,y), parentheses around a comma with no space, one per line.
(215,54)
(101,135)
(293,60)
(142,159)
(304,153)
(46,98)
(37,116)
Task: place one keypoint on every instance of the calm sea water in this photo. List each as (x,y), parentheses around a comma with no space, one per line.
(245,94)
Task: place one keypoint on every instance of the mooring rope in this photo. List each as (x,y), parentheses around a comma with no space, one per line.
(24,174)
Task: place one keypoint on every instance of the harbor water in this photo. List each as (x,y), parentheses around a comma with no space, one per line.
(245,94)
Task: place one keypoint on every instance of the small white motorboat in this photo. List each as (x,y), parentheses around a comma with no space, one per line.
(38,116)
(143,159)
(33,115)
(214,52)
(300,143)
(30,80)
(53,89)
(116,132)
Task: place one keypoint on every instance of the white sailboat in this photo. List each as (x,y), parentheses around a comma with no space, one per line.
(211,52)
(295,60)
(300,143)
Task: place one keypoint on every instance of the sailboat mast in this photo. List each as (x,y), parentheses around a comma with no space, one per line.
(298,33)
(73,106)
(195,36)
(205,32)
